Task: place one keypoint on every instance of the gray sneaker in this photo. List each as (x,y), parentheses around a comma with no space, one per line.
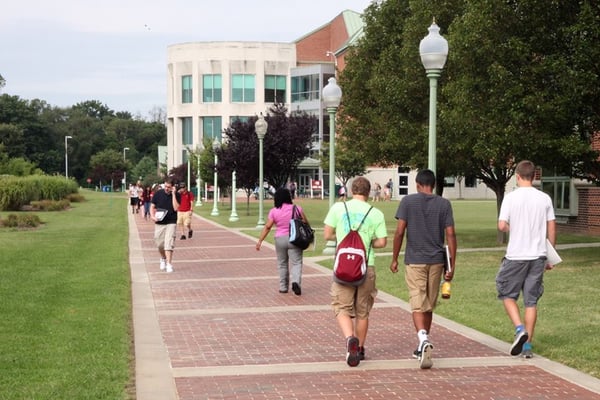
(527,353)
(425,361)
(520,339)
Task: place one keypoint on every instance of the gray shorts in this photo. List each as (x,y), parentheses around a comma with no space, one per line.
(515,276)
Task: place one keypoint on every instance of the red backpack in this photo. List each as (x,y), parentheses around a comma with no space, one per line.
(350,266)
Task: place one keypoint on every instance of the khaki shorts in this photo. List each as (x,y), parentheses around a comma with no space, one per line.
(164,236)
(423,281)
(184,218)
(355,301)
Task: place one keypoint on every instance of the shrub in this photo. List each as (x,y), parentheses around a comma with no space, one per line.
(50,205)
(21,221)
(16,192)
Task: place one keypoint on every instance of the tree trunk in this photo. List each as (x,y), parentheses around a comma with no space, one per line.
(501,237)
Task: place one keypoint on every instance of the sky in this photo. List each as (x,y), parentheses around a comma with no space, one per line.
(114,51)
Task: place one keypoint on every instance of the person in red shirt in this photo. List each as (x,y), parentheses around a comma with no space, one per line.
(185,211)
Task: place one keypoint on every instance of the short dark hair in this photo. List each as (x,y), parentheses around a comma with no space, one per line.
(426,177)
(361,186)
(526,170)
(282,196)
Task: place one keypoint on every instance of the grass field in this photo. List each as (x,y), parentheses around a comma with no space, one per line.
(66,298)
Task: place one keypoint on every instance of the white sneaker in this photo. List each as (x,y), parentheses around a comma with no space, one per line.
(425,362)
(169,268)
(163,264)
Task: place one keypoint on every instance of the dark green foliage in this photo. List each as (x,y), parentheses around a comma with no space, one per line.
(17,192)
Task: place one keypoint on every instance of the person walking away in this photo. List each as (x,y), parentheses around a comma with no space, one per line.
(352,304)
(185,212)
(528,215)
(287,253)
(134,200)
(163,212)
(426,219)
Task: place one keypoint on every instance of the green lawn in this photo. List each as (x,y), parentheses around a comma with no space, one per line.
(66,298)
(66,305)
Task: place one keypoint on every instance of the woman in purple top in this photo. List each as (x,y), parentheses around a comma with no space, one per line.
(280,216)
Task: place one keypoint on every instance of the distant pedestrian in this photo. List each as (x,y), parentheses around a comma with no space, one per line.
(389,188)
(287,253)
(134,198)
(163,212)
(146,201)
(425,218)
(185,212)
(527,213)
(352,304)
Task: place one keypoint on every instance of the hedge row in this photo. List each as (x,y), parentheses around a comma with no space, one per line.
(19,191)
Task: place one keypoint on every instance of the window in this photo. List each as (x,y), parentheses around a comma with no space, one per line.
(275,89)
(305,88)
(212,127)
(240,118)
(187,134)
(470,181)
(242,88)
(449,181)
(559,190)
(186,89)
(211,88)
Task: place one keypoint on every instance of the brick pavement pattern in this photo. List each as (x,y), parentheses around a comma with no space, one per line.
(217,328)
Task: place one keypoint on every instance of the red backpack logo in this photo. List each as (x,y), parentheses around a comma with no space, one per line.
(350,266)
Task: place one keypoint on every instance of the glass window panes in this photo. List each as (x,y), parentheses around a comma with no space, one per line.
(275,88)
(211,88)
(187,133)
(186,89)
(212,127)
(242,88)
(305,88)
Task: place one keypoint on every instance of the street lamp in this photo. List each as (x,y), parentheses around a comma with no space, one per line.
(234,216)
(188,168)
(332,96)
(261,130)
(124,172)
(434,51)
(198,180)
(67,157)
(215,211)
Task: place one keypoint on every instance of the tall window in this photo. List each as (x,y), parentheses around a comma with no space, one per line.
(211,88)
(186,89)
(275,88)
(305,88)
(559,189)
(242,88)
(187,134)
(212,127)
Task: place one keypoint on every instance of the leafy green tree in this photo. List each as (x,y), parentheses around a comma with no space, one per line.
(349,161)
(16,166)
(286,143)
(147,169)
(107,166)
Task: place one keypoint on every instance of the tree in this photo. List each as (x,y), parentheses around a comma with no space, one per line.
(108,166)
(349,162)
(286,143)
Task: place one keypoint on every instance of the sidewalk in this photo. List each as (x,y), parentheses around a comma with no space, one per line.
(217,328)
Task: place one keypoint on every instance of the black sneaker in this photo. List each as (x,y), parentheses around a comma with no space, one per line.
(425,361)
(352,357)
(190,233)
(417,354)
(361,352)
(296,289)
(520,339)
(182,237)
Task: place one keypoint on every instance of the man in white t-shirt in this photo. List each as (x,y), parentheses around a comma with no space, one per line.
(528,215)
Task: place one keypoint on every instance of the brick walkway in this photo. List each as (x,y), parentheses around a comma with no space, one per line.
(217,328)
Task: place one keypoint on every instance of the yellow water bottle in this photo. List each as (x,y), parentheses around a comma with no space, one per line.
(446,287)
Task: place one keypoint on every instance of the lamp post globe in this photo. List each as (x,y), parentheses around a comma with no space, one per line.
(260,126)
(332,96)
(434,52)
(215,211)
